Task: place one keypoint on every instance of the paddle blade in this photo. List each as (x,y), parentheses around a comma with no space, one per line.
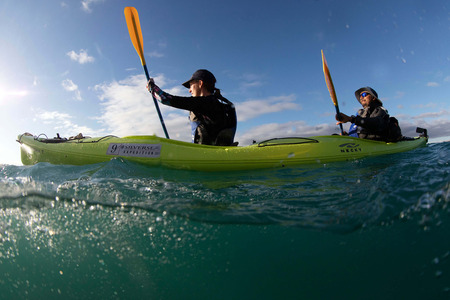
(134,28)
(328,80)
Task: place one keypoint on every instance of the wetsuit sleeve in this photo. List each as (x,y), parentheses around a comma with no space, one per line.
(378,120)
(160,95)
(199,104)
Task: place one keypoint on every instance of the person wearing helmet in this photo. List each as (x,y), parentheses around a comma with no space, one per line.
(213,117)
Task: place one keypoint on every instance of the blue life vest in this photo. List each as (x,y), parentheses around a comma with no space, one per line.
(353,130)
(194,125)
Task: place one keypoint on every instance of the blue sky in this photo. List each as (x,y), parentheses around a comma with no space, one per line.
(69,66)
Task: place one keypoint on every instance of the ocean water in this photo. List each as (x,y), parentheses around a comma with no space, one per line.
(375,228)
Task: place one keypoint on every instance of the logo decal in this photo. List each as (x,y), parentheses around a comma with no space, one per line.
(350,147)
(135,150)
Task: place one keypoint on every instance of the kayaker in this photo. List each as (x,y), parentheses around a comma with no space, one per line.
(372,120)
(212,117)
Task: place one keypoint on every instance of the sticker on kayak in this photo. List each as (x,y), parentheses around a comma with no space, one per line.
(136,150)
(350,147)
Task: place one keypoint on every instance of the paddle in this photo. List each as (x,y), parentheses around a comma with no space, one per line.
(134,28)
(330,86)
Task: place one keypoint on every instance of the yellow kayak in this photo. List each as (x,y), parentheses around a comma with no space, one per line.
(157,151)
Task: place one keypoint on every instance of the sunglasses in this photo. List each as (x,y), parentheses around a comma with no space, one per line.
(363,94)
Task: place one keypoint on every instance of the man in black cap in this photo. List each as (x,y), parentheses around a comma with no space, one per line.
(372,120)
(213,117)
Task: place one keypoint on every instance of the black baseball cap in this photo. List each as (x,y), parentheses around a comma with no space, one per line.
(204,75)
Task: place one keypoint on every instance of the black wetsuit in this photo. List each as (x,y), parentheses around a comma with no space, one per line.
(213,118)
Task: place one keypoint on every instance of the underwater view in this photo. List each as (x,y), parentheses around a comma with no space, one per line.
(375,228)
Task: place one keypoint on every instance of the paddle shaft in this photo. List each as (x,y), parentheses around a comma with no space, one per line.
(157,106)
(134,28)
(339,116)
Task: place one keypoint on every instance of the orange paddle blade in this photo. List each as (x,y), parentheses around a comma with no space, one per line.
(328,80)
(134,28)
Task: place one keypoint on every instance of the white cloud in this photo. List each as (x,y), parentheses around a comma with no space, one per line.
(86,4)
(156,54)
(422,106)
(128,109)
(250,77)
(82,57)
(255,107)
(250,80)
(70,86)
(432,114)
(61,120)
(62,123)
(437,123)
(432,84)
(251,84)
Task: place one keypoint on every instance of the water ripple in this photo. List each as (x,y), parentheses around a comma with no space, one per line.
(338,197)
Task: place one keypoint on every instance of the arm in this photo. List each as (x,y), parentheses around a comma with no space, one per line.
(158,94)
(343,118)
(200,104)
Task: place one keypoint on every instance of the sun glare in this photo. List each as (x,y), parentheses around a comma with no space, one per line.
(6,95)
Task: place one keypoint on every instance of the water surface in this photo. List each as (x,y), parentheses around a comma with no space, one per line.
(375,228)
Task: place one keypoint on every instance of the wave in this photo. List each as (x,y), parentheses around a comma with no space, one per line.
(339,197)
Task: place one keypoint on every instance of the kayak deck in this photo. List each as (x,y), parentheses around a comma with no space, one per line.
(157,151)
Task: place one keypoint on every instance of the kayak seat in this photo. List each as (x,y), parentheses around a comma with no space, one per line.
(226,137)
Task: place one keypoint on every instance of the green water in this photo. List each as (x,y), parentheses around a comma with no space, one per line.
(377,228)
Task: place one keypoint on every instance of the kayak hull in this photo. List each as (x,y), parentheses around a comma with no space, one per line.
(157,151)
